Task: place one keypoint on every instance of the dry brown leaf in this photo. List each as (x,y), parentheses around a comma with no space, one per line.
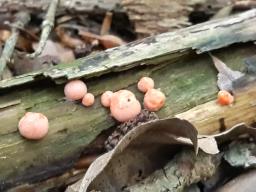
(239,130)
(107,41)
(110,41)
(56,50)
(24,44)
(208,145)
(140,152)
(226,76)
(4,35)
(87,36)
(67,40)
(143,151)
(21,64)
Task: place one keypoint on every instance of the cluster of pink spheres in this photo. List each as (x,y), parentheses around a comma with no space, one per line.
(77,90)
(123,105)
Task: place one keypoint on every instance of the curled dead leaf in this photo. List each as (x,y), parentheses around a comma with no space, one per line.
(56,50)
(138,160)
(140,152)
(208,145)
(110,41)
(67,40)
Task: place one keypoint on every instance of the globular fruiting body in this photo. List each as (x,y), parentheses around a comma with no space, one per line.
(75,90)
(88,100)
(106,98)
(124,106)
(154,100)
(145,83)
(225,98)
(33,126)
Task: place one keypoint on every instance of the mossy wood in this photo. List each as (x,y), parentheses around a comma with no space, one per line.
(188,79)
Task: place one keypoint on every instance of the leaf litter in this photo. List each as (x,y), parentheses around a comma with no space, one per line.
(164,155)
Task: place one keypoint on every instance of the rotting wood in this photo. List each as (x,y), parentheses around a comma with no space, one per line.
(152,17)
(223,117)
(162,48)
(72,5)
(186,78)
(149,17)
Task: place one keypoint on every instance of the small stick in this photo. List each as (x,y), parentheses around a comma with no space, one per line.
(21,20)
(106,24)
(47,26)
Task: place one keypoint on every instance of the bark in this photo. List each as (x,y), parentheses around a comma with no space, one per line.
(186,78)
(152,17)
(73,5)
(149,17)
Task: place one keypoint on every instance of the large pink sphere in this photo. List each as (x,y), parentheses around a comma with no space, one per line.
(33,125)
(154,100)
(124,106)
(75,90)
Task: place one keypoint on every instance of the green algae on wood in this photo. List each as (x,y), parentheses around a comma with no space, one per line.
(152,50)
(186,83)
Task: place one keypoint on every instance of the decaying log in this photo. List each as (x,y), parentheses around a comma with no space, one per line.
(186,78)
(149,17)
(76,5)
(152,17)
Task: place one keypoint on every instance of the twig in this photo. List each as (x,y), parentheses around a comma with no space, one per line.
(47,26)
(106,24)
(21,20)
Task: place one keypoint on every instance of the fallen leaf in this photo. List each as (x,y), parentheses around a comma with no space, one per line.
(20,64)
(140,152)
(56,50)
(67,40)
(237,131)
(110,41)
(4,35)
(208,145)
(226,76)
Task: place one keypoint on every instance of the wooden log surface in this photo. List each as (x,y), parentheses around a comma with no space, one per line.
(148,17)
(187,79)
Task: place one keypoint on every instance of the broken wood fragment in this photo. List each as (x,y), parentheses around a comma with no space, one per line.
(22,20)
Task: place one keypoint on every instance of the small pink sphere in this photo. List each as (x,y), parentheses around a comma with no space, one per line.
(88,100)
(75,90)
(106,98)
(145,83)
(124,106)
(33,126)
(154,100)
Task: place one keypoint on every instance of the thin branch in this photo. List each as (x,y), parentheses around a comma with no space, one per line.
(106,25)
(21,20)
(47,26)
